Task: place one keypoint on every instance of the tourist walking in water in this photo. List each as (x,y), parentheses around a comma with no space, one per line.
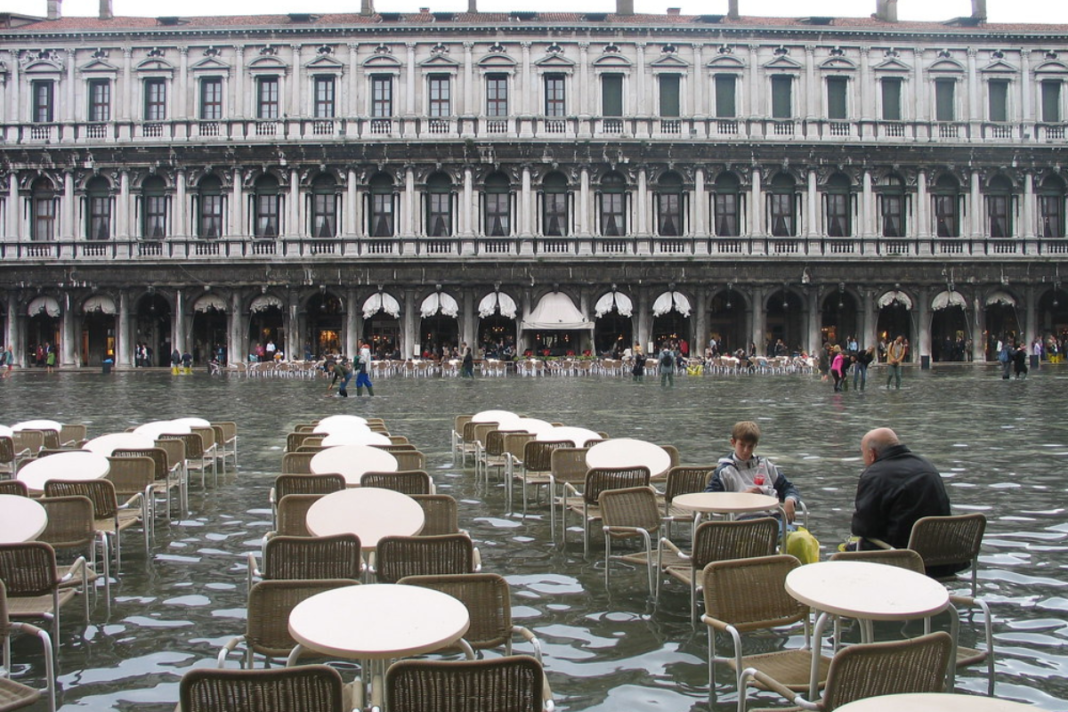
(638,372)
(666,365)
(860,367)
(838,368)
(363,371)
(467,366)
(176,361)
(895,355)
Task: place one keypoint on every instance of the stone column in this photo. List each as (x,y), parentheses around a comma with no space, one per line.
(468,322)
(293,218)
(236,348)
(645,318)
(67,228)
(179,208)
(68,113)
(812,214)
(11,327)
(699,201)
(919,89)
(642,228)
(124,347)
(867,208)
(756,206)
(758,320)
(1026,85)
(584,106)
(124,91)
(974,113)
(525,78)
(291,323)
(410,323)
(815,336)
(923,206)
(353,94)
(1030,316)
(976,207)
(410,84)
(295,108)
(1028,209)
(14,211)
(923,326)
(584,203)
(700,109)
(237,209)
(467,227)
(868,336)
(68,322)
(181,86)
(470,104)
(238,100)
(978,340)
(122,226)
(352,326)
(526,214)
(178,325)
(409,202)
(810,87)
(640,102)
(867,87)
(352,207)
(699,337)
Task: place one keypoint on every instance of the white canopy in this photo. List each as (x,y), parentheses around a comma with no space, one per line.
(497,300)
(895,296)
(208,302)
(46,305)
(380,301)
(439,301)
(1000,297)
(556,311)
(948,299)
(99,303)
(671,300)
(613,300)
(265,302)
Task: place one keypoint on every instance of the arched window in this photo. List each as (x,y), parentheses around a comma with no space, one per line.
(946,196)
(268,207)
(892,205)
(554,216)
(727,207)
(210,207)
(999,206)
(380,217)
(497,199)
(439,206)
(613,205)
(782,206)
(153,208)
(669,206)
(324,206)
(1051,207)
(98,209)
(837,201)
(43,200)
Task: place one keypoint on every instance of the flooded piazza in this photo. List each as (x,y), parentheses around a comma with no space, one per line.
(1000,445)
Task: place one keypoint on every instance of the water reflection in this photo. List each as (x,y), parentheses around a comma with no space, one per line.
(999,443)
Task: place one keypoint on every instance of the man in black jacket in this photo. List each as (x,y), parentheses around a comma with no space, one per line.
(896,488)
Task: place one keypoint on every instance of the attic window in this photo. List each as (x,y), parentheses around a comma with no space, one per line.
(818,20)
(169,21)
(596,16)
(969,21)
(712,19)
(390,16)
(521,16)
(301,17)
(444,16)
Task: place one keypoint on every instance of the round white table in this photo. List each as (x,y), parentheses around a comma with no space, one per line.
(368,512)
(162,427)
(342,419)
(6,432)
(501,417)
(193,422)
(341,427)
(726,502)
(73,465)
(107,444)
(351,461)
(531,425)
(936,702)
(355,437)
(21,519)
(579,436)
(628,452)
(38,425)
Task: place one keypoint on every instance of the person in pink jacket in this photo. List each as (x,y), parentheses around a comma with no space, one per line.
(838,366)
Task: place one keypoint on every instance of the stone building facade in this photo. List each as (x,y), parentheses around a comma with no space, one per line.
(555,181)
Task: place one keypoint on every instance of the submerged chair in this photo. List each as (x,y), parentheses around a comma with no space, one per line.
(538,467)
(15,695)
(949,544)
(71,528)
(567,466)
(35,589)
(166,479)
(308,558)
(404,481)
(293,513)
(629,513)
(305,688)
(683,480)
(441,514)
(135,479)
(287,484)
(297,463)
(226,440)
(400,556)
(515,683)
(599,480)
(72,435)
(108,515)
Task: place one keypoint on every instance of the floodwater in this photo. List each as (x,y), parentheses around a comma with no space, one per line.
(1002,445)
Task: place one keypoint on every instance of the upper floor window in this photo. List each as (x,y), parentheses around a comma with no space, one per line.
(612,95)
(211,98)
(892,206)
(1051,198)
(98,209)
(998,97)
(155,99)
(267,206)
(43,204)
(324,98)
(153,208)
(782,206)
(891,91)
(726,96)
(837,200)
(670,102)
(439,206)
(210,207)
(43,107)
(837,98)
(99,100)
(324,206)
(727,205)
(946,197)
(999,206)
(496,95)
(381,96)
(440,96)
(613,205)
(554,217)
(782,100)
(1051,101)
(268,98)
(554,95)
(380,216)
(669,206)
(945,100)
(498,199)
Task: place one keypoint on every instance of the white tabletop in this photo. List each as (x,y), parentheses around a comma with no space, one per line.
(725,502)
(342,418)
(579,436)
(21,519)
(5,432)
(530,425)
(73,465)
(502,417)
(341,426)
(861,589)
(365,437)
(193,422)
(162,427)
(107,444)
(936,702)
(628,452)
(368,512)
(378,621)
(351,461)
(38,425)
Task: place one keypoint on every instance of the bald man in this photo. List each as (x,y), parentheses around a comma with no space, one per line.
(896,488)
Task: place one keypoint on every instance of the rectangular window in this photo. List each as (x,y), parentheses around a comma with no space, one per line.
(324,97)
(782,102)
(669,214)
(613,223)
(893,216)
(211,215)
(267,215)
(324,215)
(498,214)
(670,104)
(381,215)
(998,90)
(155,216)
(554,95)
(838,215)
(1051,101)
(44,219)
(782,214)
(555,214)
(945,100)
(998,207)
(612,94)
(42,102)
(497,95)
(946,215)
(1051,210)
(891,88)
(155,100)
(440,98)
(381,97)
(439,214)
(726,102)
(726,207)
(211,99)
(837,103)
(100,100)
(268,99)
(99,227)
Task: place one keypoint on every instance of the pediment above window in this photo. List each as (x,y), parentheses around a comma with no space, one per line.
(155,65)
(670,62)
(946,65)
(783,63)
(892,65)
(210,64)
(838,64)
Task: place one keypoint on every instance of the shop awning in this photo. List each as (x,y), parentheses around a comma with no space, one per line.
(613,300)
(209,302)
(44,305)
(265,302)
(380,301)
(101,303)
(1000,297)
(439,302)
(948,299)
(669,301)
(555,312)
(895,297)
(497,301)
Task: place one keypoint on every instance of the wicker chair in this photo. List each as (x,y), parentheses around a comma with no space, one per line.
(673,456)
(718,541)
(9,455)
(209,449)
(949,544)
(538,466)
(628,513)
(70,528)
(683,480)
(493,455)
(297,463)
(309,558)
(400,556)
(287,484)
(404,481)
(306,688)
(598,480)
(108,516)
(456,437)
(481,433)
(29,442)
(165,479)
(293,513)
(566,465)
(195,459)
(488,600)
(747,595)
(14,487)
(226,440)
(15,695)
(72,435)
(467,441)
(135,480)
(515,683)
(870,670)
(296,439)
(515,446)
(175,450)
(441,514)
(35,590)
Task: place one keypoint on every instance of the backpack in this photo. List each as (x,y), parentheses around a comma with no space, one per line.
(667,358)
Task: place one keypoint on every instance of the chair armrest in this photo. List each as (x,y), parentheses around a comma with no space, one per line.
(477,560)
(665,542)
(134,500)
(270,497)
(547,703)
(716,623)
(879,543)
(571,489)
(228,648)
(528,635)
(78,567)
(773,685)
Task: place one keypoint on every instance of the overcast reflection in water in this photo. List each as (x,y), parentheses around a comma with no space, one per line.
(1001,445)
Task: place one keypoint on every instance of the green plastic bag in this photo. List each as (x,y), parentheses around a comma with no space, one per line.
(802,545)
